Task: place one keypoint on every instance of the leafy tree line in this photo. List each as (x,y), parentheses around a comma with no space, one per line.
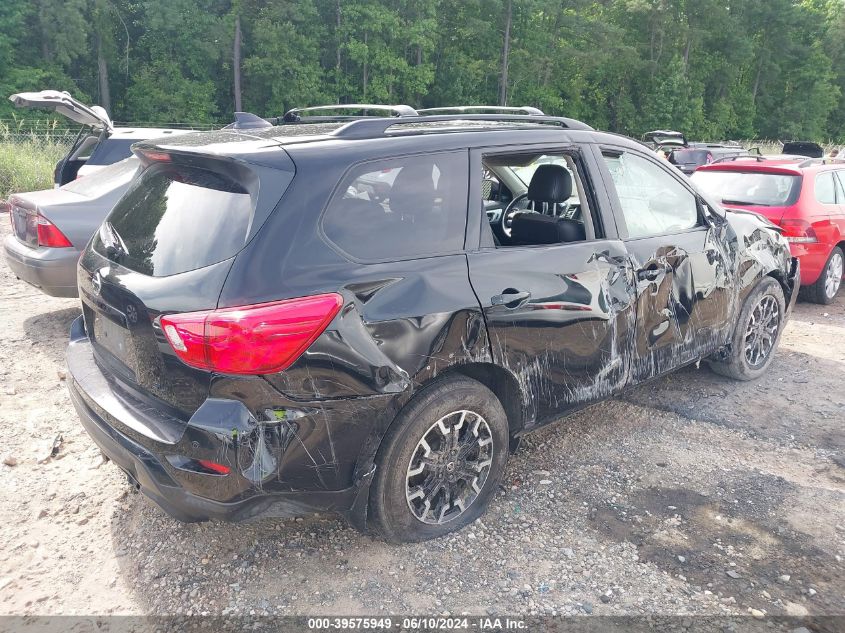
(713,68)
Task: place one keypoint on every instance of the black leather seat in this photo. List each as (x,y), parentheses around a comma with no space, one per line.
(550,185)
(536,228)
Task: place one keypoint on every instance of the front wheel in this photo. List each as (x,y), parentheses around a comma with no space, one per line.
(825,289)
(757,333)
(440,461)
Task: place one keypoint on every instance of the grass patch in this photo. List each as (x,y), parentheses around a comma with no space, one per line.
(27,165)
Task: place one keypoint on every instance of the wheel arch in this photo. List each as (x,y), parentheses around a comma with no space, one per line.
(504,386)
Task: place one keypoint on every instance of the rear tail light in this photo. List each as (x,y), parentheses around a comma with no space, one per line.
(49,234)
(34,229)
(798,231)
(258,339)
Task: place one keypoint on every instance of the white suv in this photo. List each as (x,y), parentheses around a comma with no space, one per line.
(98,143)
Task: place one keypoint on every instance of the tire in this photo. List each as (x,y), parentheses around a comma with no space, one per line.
(397,496)
(825,289)
(739,365)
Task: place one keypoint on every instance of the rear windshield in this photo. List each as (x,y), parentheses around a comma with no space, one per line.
(175,219)
(111,150)
(749,188)
(105,180)
(687,156)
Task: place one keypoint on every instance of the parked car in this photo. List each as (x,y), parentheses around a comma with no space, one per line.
(98,144)
(805,197)
(259,335)
(51,227)
(690,155)
(803,148)
(688,159)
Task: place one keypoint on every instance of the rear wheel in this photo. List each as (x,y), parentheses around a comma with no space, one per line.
(757,333)
(440,462)
(828,284)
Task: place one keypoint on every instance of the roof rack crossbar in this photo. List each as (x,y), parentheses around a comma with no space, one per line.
(474,108)
(374,127)
(296,114)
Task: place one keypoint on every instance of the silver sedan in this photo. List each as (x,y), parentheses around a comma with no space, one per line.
(53,226)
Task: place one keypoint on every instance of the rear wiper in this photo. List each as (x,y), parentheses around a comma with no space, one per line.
(115,246)
(746,203)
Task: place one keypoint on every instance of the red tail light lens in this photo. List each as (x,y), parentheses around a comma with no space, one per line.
(50,235)
(258,339)
(798,231)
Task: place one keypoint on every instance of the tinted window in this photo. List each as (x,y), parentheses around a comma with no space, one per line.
(175,219)
(653,201)
(690,156)
(111,150)
(400,208)
(825,188)
(749,188)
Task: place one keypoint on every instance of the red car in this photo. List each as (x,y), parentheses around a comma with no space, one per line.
(805,197)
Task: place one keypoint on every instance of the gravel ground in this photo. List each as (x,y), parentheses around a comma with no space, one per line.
(690,495)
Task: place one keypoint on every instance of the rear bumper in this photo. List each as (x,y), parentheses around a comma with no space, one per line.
(813,260)
(51,270)
(142,442)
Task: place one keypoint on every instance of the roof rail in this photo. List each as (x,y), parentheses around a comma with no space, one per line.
(479,108)
(296,115)
(375,127)
(727,159)
(821,161)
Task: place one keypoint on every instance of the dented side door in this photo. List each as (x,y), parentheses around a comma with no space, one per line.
(683,284)
(559,317)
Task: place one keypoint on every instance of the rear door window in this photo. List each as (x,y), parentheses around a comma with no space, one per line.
(825,188)
(400,208)
(175,219)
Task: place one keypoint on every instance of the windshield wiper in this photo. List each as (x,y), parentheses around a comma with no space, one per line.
(746,203)
(115,246)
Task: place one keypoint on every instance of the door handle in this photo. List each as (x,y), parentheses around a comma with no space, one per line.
(509,297)
(651,274)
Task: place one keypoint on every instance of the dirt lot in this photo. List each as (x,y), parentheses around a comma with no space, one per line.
(691,495)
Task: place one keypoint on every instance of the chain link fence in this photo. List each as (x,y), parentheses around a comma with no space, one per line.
(30,149)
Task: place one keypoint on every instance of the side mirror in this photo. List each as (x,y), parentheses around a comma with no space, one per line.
(714,216)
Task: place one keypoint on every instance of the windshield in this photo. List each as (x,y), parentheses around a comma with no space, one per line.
(749,188)
(111,150)
(105,180)
(526,172)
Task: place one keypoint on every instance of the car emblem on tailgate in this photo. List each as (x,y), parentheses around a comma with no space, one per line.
(96,282)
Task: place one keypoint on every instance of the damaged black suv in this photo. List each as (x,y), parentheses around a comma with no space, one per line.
(364,316)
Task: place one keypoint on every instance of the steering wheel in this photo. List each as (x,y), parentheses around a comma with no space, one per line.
(506,219)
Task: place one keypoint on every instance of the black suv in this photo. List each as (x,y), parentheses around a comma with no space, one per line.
(364,316)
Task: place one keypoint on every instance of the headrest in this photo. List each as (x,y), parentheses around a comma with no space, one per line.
(550,183)
(536,228)
(413,190)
